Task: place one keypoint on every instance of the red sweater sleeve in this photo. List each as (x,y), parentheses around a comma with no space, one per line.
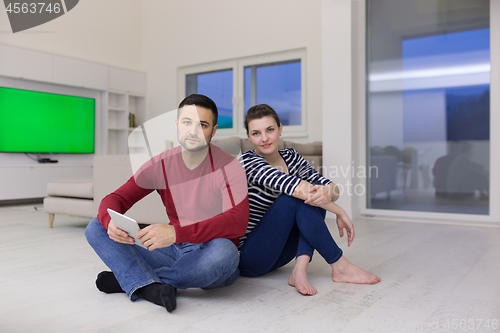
(121,200)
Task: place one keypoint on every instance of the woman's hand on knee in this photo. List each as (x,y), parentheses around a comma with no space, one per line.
(319,195)
(118,235)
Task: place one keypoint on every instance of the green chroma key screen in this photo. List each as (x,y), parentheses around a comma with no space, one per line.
(38,122)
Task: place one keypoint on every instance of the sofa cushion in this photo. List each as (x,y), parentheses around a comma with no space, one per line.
(231,145)
(71,187)
(232,139)
(316,162)
(69,206)
(246,145)
(314,148)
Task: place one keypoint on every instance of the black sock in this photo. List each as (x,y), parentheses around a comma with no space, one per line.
(107,283)
(162,294)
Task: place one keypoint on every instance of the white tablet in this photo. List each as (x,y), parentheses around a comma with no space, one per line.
(126,224)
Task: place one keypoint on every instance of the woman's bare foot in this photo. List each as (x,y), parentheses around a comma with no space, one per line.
(299,278)
(344,271)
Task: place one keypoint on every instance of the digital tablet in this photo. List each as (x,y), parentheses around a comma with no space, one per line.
(126,224)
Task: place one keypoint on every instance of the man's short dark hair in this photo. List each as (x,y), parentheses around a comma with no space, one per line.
(202,101)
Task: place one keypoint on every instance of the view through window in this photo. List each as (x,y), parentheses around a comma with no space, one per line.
(236,85)
(428,105)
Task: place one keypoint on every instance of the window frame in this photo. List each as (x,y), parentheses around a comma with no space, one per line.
(218,66)
(238,66)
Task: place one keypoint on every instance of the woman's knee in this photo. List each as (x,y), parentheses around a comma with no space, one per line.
(313,209)
(251,266)
(295,203)
(287,201)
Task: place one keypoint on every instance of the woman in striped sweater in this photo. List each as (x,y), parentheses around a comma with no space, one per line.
(288,203)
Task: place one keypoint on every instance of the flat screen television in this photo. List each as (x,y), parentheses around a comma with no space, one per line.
(40,122)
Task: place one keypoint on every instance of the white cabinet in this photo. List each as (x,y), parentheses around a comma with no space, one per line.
(39,66)
(123,90)
(126,80)
(26,64)
(26,181)
(117,91)
(79,73)
(119,106)
(127,89)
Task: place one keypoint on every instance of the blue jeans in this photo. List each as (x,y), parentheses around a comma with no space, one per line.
(290,228)
(184,265)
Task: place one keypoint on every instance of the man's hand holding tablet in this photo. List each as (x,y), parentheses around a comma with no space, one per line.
(123,229)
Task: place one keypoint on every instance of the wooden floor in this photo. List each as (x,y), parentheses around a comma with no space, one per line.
(434,278)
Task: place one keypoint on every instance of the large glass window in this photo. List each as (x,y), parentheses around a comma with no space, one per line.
(428,105)
(219,87)
(238,84)
(278,85)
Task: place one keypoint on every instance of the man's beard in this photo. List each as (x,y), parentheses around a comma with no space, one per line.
(201,144)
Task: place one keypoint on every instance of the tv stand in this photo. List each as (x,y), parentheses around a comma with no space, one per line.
(46,160)
(26,181)
(41,159)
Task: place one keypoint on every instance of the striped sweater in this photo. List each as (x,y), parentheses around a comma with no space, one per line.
(266,183)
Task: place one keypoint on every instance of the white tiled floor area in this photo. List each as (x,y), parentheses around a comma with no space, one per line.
(431,274)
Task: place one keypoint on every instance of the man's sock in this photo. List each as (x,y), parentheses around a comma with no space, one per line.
(162,294)
(107,283)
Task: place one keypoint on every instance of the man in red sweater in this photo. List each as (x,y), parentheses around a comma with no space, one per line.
(204,191)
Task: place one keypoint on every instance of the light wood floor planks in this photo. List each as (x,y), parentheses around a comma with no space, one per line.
(433,277)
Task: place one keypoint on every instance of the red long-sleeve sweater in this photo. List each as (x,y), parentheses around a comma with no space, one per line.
(208,202)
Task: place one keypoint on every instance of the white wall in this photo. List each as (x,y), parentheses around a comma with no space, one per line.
(105,32)
(182,33)
(95,30)
(159,36)
(338,148)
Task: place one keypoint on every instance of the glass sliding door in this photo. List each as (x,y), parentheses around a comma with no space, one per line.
(428,105)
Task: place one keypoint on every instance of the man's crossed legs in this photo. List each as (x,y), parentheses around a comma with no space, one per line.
(156,275)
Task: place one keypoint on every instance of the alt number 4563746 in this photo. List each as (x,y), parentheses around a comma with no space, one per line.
(32,8)
(471,324)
